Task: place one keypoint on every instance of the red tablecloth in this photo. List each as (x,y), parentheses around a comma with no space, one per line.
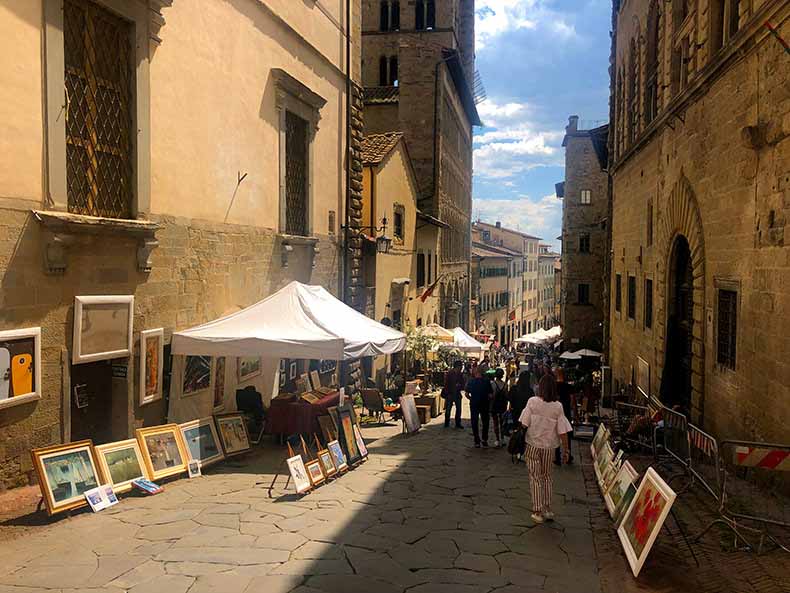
(298,417)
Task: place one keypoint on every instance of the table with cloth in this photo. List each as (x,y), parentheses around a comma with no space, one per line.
(289,416)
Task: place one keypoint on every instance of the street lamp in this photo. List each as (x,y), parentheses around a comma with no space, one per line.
(383,242)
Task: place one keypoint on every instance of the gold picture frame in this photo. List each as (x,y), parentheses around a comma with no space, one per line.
(325,458)
(152,344)
(65,473)
(117,463)
(164,450)
(315,472)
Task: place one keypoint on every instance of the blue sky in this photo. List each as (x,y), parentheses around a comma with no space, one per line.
(541,61)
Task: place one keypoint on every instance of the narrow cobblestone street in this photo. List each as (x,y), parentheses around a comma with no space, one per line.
(426,513)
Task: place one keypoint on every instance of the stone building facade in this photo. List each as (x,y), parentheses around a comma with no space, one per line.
(418,68)
(585,236)
(700,166)
(149,182)
(546,283)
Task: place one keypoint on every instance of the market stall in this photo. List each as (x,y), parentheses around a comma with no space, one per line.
(464,342)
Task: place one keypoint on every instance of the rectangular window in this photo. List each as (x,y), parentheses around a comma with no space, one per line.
(584,243)
(586,196)
(728,327)
(584,294)
(632,297)
(430,268)
(648,303)
(397,223)
(649,223)
(296,146)
(420,269)
(99,80)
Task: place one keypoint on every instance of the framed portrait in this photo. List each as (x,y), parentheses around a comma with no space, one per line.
(151,364)
(338,457)
(643,376)
(644,517)
(193,468)
(65,474)
(248,367)
(219,383)
(299,474)
(163,449)
(102,328)
(197,374)
(202,441)
(325,458)
(345,430)
(315,471)
(292,370)
(363,450)
(121,463)
(328,428)
(20,366)
(232,433)
(612,495)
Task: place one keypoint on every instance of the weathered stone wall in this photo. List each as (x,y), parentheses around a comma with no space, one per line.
(716,166)
(582,323)
(201,270)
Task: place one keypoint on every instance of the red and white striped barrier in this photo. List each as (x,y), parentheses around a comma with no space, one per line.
(762,457)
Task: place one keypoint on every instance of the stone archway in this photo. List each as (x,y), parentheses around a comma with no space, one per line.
(680,221)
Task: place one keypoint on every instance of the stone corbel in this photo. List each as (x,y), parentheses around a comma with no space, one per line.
(55,251)
(315,251)
(145,247)
(285,251)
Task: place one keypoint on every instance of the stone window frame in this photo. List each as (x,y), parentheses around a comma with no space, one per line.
(631,298)
(55,103)
(652,308)
(399,210)
(585,197)
(291,95)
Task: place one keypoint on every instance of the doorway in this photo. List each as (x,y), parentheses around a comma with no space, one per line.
(676,377)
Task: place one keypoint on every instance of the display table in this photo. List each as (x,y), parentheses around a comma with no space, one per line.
(287,417)
(433,400)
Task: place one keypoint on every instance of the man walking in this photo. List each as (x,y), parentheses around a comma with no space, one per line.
(479,392)
(453,384)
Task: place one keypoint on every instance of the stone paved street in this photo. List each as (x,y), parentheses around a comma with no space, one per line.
(426,513)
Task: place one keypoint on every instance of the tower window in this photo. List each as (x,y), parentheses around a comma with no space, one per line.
(388,71)
(384,16)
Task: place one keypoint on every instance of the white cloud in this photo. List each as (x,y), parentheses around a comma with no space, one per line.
(496,17)
(540,218)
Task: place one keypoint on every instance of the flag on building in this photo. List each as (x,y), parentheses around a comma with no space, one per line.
(429,291)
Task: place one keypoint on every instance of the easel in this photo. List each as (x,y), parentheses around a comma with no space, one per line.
(683,535)
(291,453)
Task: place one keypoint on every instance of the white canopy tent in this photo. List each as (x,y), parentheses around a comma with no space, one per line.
(297,322)
(588,352)
(464,342)
(568,355)
(541,336)
(437,332)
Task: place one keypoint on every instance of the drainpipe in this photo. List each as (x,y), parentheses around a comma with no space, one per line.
(344,262)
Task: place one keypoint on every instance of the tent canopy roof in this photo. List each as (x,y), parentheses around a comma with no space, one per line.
(297,321)
(464,342)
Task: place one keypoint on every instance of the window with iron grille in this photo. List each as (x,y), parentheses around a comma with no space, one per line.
(648,303)
(397,223)
(632,297)
(728,327)
(99,80)
(296,144)
(420,269)
(584,294)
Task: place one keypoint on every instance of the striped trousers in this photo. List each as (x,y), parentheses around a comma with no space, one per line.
(540,479)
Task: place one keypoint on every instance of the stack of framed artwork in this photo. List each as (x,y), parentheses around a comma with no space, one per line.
(637,509)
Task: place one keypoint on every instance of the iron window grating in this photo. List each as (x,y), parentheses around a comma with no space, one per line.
(99,83)
(295,175)
(728,327)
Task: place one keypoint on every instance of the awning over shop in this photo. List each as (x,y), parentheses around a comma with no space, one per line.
(464,342)
(437,332)
(568,355)
(297,321)
(541,336)
(588,352)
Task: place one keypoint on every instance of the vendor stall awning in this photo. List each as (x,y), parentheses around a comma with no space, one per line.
(464,342)
(437,332)
(297,321)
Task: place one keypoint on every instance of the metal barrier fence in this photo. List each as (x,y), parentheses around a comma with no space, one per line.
(676,436)
(704,460)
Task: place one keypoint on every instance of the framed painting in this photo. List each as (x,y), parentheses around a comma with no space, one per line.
(281,373)
(603,460)
(644,517)
(151,358)
(197,375)
(233,433)
(643,376)
(338,457)
(619,511)
(219,384)
(601,436)
(325,457)
(164,451)
(345,430)
(248,367)
(363,450)
(292,370)
(121,463)
(608,474)
(299,474)
(315,379)
(20,366)
(315,471)
(409,409)
(625,477)
(65,474)
(328,428)
(102,328)
(202,441)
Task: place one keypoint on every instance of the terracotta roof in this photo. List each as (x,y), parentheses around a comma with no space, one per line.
(501,228)
(381,94)
(481,250)
(377,146)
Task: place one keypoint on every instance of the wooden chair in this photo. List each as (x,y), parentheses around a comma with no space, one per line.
(373,402)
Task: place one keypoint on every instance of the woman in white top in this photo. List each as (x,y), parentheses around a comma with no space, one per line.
(547,426)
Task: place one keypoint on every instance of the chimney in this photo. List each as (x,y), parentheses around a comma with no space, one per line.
(573,123)
(498,224)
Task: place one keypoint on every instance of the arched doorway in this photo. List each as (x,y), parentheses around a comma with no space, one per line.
(676,379)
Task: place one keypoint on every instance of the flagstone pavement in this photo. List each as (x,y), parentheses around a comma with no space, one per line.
(426,513)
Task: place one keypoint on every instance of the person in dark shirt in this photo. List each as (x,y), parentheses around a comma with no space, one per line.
(479,392)
(453,384)
(520,394)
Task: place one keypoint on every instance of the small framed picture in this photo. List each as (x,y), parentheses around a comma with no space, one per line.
(315,471)
(193,467)
(151,359)
(102,328)
(20,366)
(338,457)
(315,379)
(325,457)
(299,474)
(292,370)
(202,441)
